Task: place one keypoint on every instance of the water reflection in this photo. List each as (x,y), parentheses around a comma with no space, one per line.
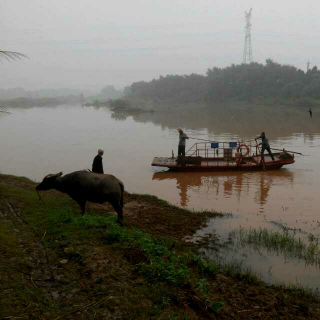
(233,184)
(240,121)
(267,179)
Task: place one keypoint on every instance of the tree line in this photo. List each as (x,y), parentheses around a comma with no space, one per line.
(244,83)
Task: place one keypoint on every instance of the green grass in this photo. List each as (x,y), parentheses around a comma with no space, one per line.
(166,267)
(163,264)
(16,293)
(280,242)
(7,242)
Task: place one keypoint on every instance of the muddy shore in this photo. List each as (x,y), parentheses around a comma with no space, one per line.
(56,264)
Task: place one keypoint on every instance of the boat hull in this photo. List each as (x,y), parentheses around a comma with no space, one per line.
(219,164)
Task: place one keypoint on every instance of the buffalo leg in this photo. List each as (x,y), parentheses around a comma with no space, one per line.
(82,204)
(117,207)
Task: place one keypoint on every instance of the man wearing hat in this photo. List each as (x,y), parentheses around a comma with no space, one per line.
(97,166)
(182,142)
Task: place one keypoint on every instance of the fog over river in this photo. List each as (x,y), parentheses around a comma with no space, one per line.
(37,141)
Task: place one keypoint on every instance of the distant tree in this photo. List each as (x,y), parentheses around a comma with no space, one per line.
(235,83)
(109,92)
(127,91)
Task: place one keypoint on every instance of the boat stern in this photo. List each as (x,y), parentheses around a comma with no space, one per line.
(164,162)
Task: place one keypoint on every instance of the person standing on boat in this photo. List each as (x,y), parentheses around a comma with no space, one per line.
(265,146)
(182,143)
(97,165)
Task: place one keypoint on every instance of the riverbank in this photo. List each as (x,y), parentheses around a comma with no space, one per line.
(60,265)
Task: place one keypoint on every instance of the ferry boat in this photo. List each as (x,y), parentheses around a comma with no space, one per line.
(225,156)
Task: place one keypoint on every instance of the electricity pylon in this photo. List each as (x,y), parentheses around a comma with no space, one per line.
(247,52)
(308,65)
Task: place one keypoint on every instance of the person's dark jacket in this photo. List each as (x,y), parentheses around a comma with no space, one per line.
(264,141)
(97,166)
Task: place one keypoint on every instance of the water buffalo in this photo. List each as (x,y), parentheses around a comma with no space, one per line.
(83,186)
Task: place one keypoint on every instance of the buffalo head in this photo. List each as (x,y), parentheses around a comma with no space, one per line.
(48,182)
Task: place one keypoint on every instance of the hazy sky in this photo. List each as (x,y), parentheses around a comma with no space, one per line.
(89,44)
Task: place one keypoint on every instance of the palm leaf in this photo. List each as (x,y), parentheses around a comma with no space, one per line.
(12,55)
(3,112)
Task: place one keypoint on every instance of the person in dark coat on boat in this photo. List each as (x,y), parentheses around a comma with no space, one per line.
(310,112)
(182,143)
(97,165)
(265,145)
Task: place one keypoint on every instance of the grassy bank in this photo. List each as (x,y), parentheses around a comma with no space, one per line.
(57,264)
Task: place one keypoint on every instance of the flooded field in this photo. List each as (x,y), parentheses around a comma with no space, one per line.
(271,211)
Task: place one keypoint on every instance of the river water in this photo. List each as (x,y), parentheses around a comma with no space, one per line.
(37,141)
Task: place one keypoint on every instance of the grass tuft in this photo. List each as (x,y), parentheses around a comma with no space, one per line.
(280,242)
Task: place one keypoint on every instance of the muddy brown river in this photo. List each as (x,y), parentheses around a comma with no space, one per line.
(37,141)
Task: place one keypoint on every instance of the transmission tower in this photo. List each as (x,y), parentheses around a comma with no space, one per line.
(247,52)
(308,65)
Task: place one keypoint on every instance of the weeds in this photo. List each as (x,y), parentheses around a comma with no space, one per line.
(279,242)
(163,264)
(234,269)
(202,286)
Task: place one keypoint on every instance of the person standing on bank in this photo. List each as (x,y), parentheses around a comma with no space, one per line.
(97,166)
(265,146)
(182,143)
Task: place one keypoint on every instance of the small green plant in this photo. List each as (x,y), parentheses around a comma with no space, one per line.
(202,286)
(217,306)
(161,270)
(204,267)
(93,221)
(163,264)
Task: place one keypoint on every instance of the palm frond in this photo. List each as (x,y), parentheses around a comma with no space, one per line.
(12,55)
(3,112)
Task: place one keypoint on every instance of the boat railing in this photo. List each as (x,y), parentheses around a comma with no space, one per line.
(225,150)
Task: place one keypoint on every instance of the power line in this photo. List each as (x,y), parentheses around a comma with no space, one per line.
(247,52)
